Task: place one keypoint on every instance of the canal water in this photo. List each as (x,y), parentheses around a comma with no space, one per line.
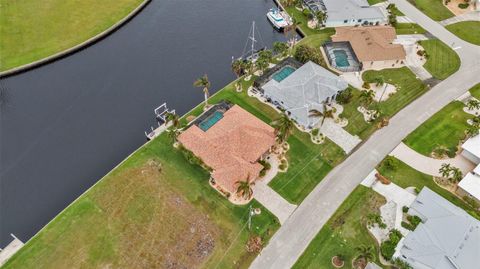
(66,124)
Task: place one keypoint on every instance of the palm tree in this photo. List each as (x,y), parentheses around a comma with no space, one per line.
(327,113)
(456,177)
(203,83)
(280,48)
(262,64)
(473,104)
(321,18)
(244,188)
(445,169)
(365,252)
(238,67)
(367,97)
(248,66)
(379,81)
(173,118)
(283,127)
(472,130)
(173,134)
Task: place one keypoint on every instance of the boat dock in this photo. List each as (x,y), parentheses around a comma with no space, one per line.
(10,249)
(161,113)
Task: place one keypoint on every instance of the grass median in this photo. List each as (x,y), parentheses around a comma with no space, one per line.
(31,30)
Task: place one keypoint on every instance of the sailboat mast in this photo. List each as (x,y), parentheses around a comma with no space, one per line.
(253,38)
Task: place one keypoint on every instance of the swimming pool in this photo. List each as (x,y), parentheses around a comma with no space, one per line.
(210,121)
(341,58)
(283,73)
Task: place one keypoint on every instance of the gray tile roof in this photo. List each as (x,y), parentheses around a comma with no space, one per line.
(339,10)
(447,238)
(305,89)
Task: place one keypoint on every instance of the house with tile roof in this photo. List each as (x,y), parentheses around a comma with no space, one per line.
(230,141)
(447,238)
(373,45)
(307,88)
(347,12)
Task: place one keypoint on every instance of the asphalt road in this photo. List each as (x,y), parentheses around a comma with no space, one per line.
(293,237)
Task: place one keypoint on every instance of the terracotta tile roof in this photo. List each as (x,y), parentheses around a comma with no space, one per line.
(371,43)
(231,147)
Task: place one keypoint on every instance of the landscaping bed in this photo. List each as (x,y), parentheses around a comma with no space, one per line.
(442,61)
(466,30)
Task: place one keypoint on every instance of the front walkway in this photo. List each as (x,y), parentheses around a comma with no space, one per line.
(470,16)
(427,165)
(339,136)
(270,199)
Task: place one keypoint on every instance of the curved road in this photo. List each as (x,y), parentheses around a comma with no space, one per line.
(295,234)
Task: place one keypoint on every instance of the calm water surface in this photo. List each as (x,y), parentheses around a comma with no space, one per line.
(65,125)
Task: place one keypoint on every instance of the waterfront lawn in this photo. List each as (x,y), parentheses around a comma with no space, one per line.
(302,20)
(409,29)
(150,211)
(466,30)
(444,130)
(344,231)
(405,176)
(308,163)
(408,86)
(318,39)
(475,91)
(433,8)
(442,61)
(32,30)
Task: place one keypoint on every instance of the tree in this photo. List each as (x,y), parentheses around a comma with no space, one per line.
(238,67)
(173,134)
(203,83)
(261,64)
(290,32)
(326,113)
(266,55)
(305,53)
(280,48)
(367,97)
(365,252)
(445,169)
(321,18)
(248,66)
(379,81)
(283,127)
(456,176)
(173,118)
(473,104)
(245,188)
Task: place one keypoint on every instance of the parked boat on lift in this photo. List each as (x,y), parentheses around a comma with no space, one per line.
(279,19)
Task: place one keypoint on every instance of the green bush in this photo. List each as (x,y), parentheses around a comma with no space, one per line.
(401,264)
(345,96)
(315,132)
(407,226)
(395,236)
(463,5)
(405,209)
(414,220)
(305,53)
(387,249)
(390,163)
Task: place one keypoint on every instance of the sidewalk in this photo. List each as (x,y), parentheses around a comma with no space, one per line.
(470,16)
(427,165)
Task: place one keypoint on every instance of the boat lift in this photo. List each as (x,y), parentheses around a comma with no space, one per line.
(161,113)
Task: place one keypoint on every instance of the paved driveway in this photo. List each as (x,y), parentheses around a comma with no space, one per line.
(470,16)
(289,242)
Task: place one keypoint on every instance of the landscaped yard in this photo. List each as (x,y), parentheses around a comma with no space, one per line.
(475,91)
(433,8)
(32,30)
(302,21)
(442,61)
(308,163)
(155,211)
(444,130)
(317,40)
(345,231)
(405,176)
(466,30)
(409,88)
(409,29)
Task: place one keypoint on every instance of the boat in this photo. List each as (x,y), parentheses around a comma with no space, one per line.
(253,46)
(279,19)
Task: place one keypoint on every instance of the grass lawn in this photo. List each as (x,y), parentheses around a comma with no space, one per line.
(32,30)
(433,8)
(149,212)
(308,163)
(442,61)
(445,129)
(345,231)
(316,40)
(475,91)
(373,2)
(409,29)
(409,88)
(405,176)
(302,21)
(466,30)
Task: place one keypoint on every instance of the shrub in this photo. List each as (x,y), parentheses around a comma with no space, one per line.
(401,264)
(282,167)
(405,209)
(315,132)
(463,5)
(407,226)
(345,96)
(366,85)
(387,248)
(390,163)
(414,220)
(395,236)
(305,53)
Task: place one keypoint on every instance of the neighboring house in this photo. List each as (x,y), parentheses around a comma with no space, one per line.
(347,12)
(447,238)
(302,90)
(230,141)
(471,149)
(470,185)
(373,45)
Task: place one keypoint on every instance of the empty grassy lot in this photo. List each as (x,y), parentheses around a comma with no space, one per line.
(344,231)
(445,130)
(409,88)
(31,30)
(154,211)
(308,163)
(405,176)
(442,61)
(409,29)
(433,8)
(466,30)
(475,91)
